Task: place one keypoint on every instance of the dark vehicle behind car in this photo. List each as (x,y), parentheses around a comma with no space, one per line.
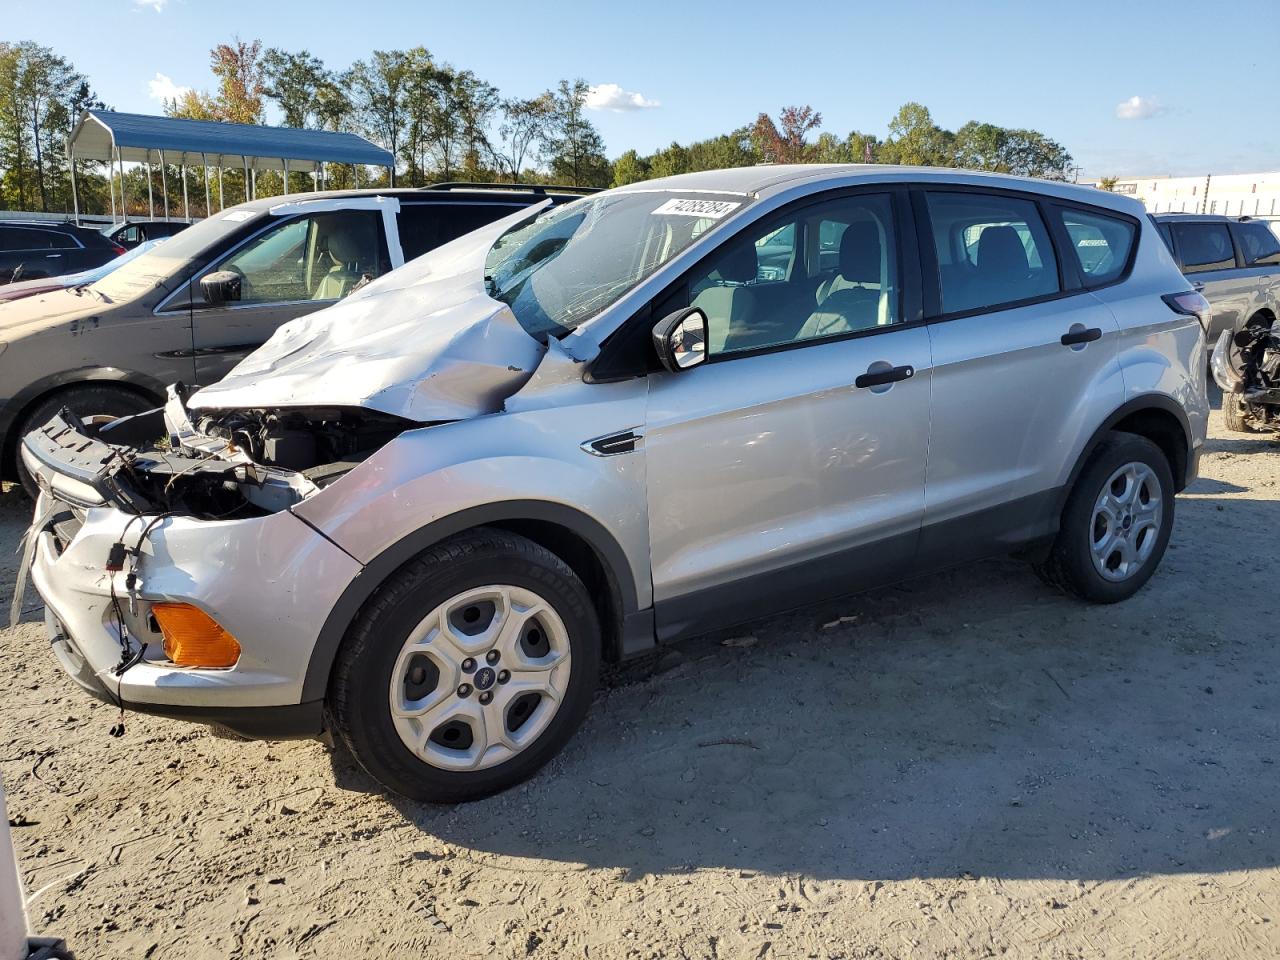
(129,235)
(30,250)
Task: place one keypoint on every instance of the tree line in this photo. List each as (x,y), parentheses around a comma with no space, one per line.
(441,122)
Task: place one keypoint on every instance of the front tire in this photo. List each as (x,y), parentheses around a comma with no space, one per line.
(1116,524)
(469,670)
(94,403)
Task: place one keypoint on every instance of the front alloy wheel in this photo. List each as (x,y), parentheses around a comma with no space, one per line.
(480,677)
(468,670)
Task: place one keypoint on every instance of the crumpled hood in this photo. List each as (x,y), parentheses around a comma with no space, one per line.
(423,342)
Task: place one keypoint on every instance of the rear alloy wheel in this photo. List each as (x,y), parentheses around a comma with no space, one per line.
(1116,524)
(468,670)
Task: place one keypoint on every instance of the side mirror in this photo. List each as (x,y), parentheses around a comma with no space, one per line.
(220,287)
(681,339)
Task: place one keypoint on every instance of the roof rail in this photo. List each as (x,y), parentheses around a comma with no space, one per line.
(539,188)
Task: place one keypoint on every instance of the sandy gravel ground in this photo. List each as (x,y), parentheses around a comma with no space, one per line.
(968,766)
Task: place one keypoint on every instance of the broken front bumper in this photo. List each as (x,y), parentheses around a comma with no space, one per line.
(270,581)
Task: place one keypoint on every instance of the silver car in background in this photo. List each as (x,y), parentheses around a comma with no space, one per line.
(421,519)
(1233,261)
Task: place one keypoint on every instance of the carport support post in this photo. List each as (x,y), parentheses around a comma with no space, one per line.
(245,162)
(221,204)
(164,183)
(111,181)
(151,197)
(286,175)
(186,205)
(124,202)
(204,165)
(75,196)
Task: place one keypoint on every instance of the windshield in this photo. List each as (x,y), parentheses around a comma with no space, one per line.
(566,266)
(159,264)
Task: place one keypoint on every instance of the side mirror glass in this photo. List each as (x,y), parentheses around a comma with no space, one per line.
(222,286)
(681,339)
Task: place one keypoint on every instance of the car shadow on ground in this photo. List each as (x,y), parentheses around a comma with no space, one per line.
(973,723)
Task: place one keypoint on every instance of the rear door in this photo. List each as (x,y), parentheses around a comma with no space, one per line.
(1260,250)
(1208,257)
(1024,364)
(297,264)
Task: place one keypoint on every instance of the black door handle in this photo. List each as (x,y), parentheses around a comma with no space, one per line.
(881,377)
(1081,336)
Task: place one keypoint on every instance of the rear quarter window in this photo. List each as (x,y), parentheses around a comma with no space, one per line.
(1102,243)
(425,226)
(1260,246)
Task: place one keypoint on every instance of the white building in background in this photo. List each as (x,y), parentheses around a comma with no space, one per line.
(1232,194)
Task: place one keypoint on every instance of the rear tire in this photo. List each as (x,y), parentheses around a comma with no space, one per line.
(437,690)
(91,402)
(1233,413)
(1116,524)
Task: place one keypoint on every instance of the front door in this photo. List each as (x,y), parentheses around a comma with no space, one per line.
(790,466)
(291,268)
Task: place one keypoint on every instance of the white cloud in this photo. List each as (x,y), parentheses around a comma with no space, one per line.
(156,5)
(610,96)
(1138,108)
(163,88)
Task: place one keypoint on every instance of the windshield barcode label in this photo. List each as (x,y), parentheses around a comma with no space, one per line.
(708,209)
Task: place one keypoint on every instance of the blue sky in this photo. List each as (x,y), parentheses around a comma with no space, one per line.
(1129,88)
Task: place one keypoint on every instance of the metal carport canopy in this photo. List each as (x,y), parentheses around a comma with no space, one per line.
(134,137)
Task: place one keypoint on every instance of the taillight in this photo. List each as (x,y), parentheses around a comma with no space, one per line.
(118,249)
(1190,303)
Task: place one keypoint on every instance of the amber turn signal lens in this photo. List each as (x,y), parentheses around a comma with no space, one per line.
(192,638)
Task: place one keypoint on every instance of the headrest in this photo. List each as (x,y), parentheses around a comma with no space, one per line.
(860,252)
(1000,250)
(345,245)
(738,263)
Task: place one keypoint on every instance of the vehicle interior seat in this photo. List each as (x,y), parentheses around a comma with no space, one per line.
(1002,272)
(727,299)
(854,299)
(346,250)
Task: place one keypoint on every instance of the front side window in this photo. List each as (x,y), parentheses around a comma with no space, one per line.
(1204,246)
(1261,247)
(825,270)
(425,226)
(561,269)
(1102,244)
(321,257)
(992,250)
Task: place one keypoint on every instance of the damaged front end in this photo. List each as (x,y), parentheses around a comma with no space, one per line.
(1246,365)
(223,465)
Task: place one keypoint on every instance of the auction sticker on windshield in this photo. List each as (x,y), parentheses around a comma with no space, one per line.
(707,209)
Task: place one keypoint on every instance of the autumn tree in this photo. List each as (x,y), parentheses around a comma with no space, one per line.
(784,141)
(238,69)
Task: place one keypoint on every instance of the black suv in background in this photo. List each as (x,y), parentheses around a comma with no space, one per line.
(33,249)
(1233,261)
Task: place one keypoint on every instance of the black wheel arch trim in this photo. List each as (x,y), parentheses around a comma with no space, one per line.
(1143,402)
(14,407)
(612,558)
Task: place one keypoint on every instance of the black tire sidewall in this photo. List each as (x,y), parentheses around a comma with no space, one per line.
(365,721)
(1075,551)
(86,401)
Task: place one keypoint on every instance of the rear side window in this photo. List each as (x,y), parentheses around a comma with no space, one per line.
(21,238)
(1102,244)
(992,250)
(425,226)
(1204,246)
(1261,247)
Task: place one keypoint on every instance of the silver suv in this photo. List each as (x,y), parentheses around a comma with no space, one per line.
(420,519)
(1233,261)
